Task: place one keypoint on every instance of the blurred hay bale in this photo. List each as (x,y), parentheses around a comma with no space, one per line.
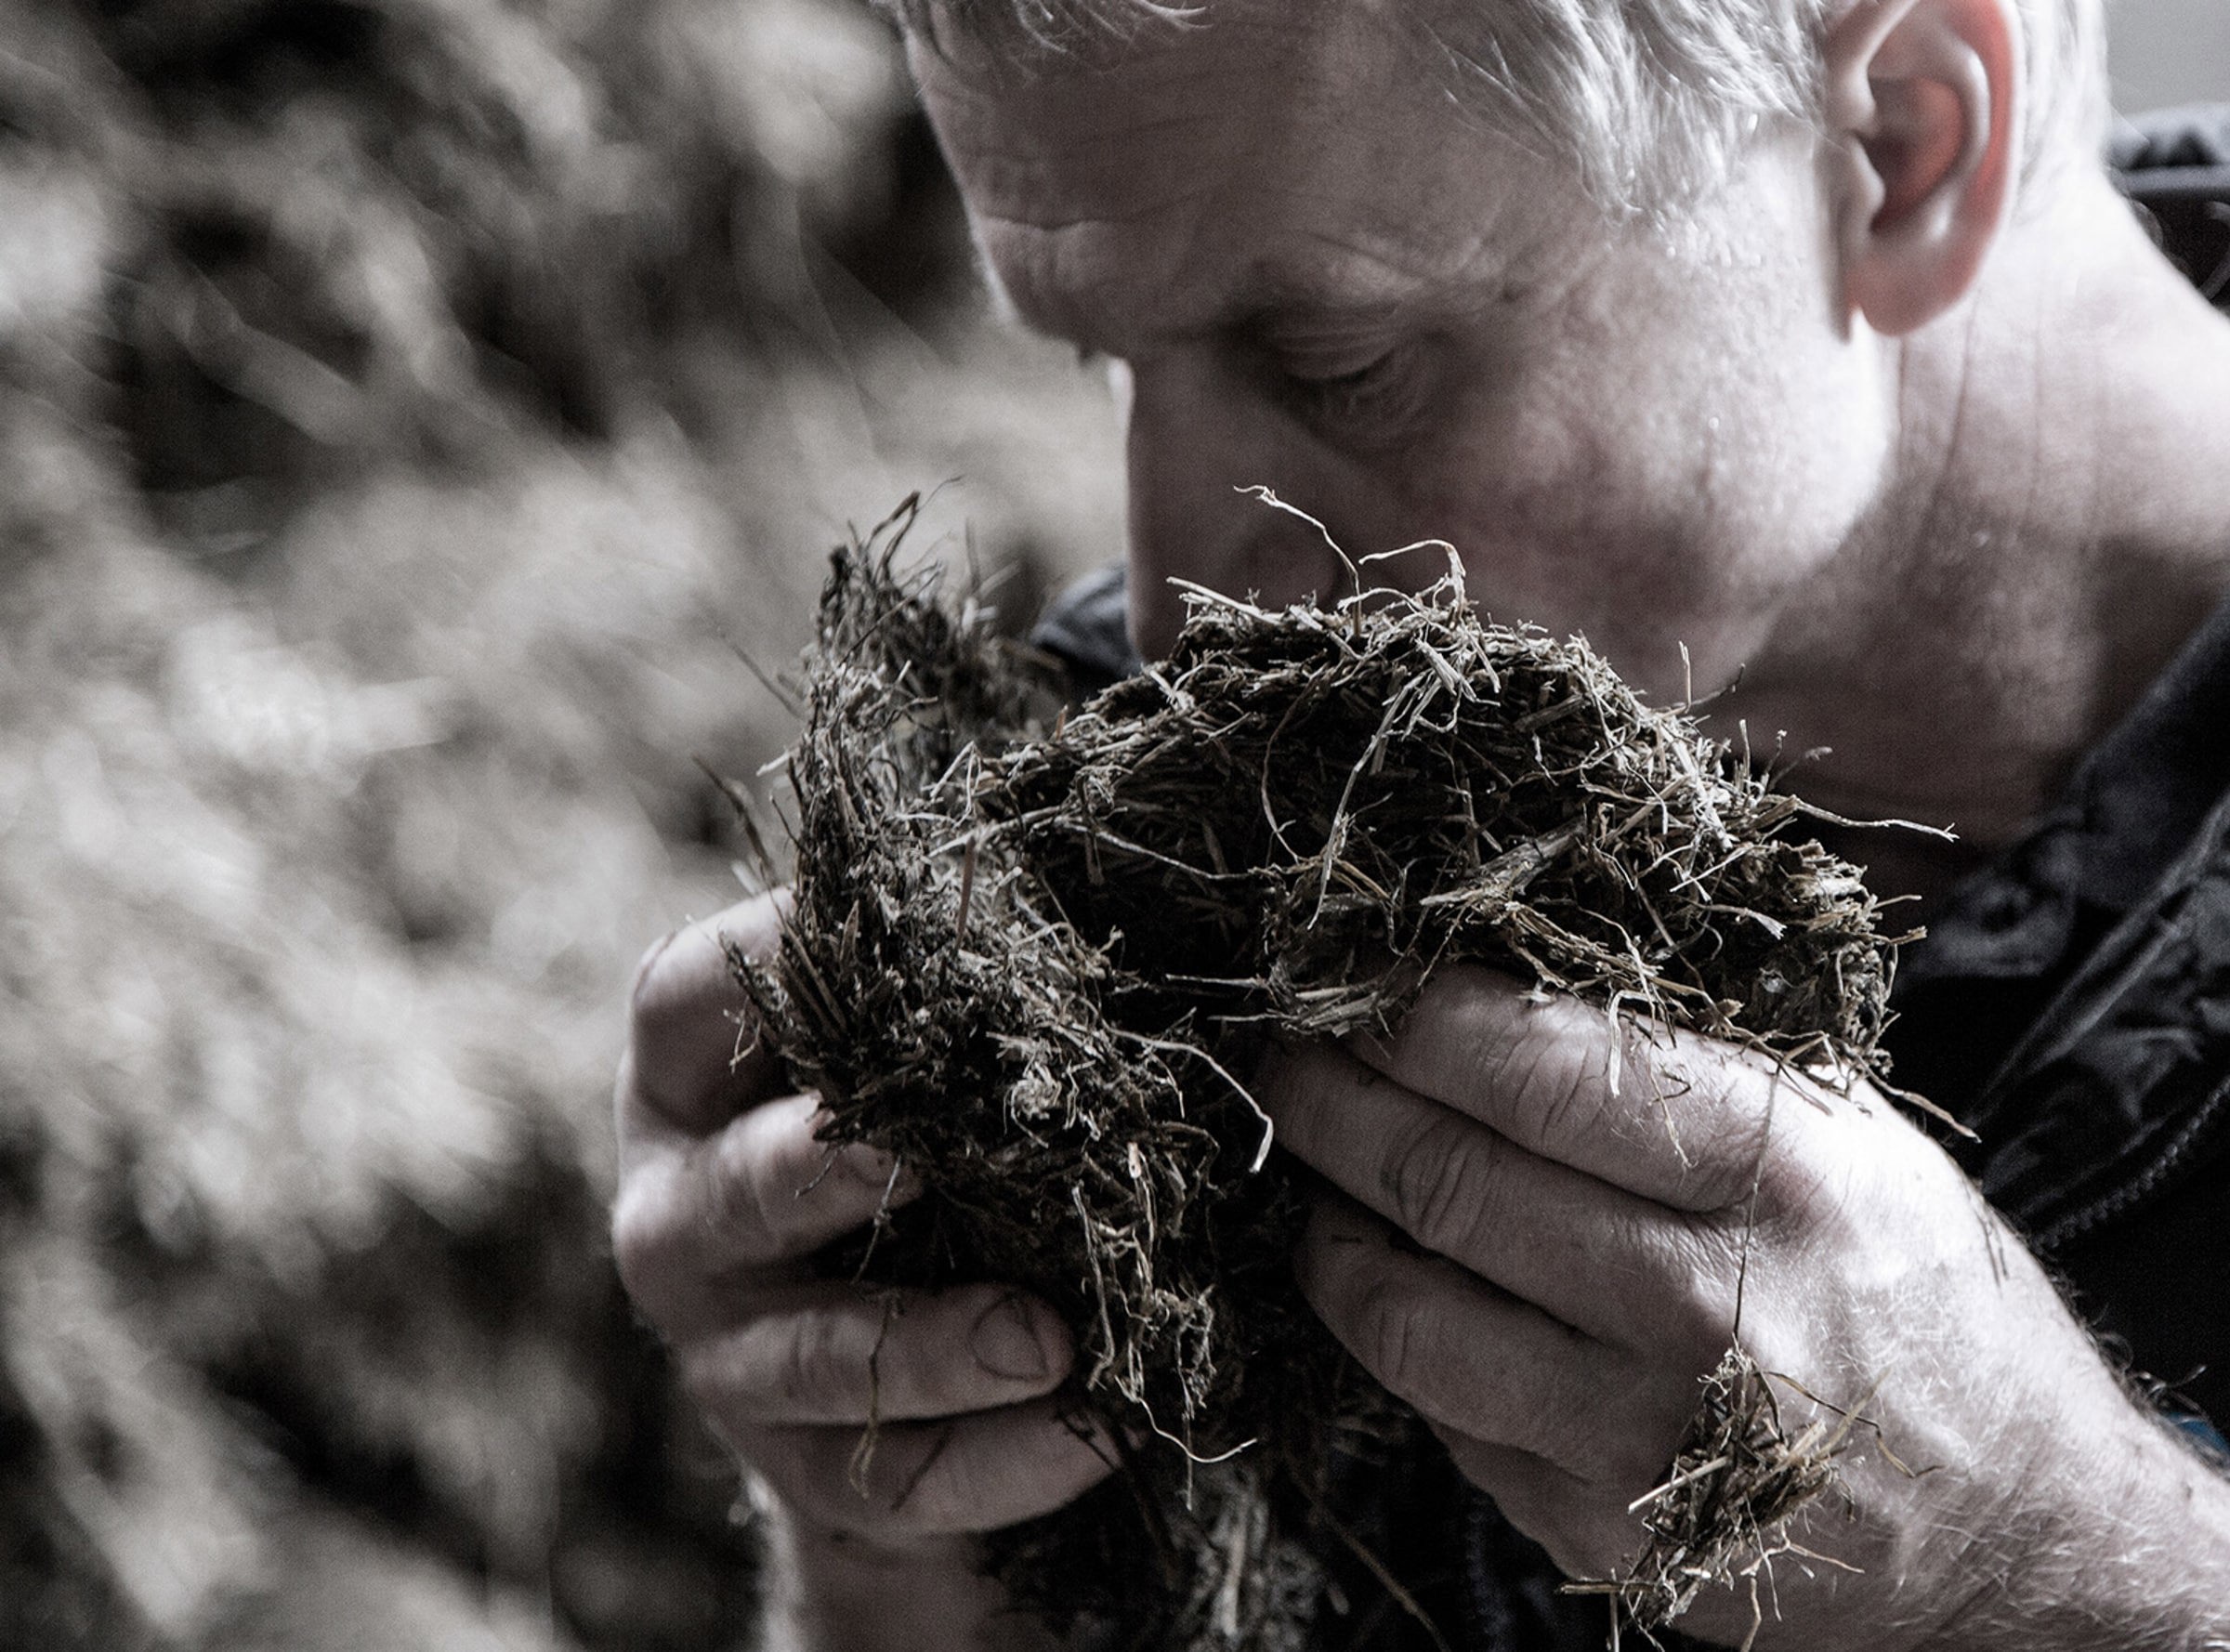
(319,1171)
(343,1587)
(331,233)
(350,685)
(138,1466)
(396,400)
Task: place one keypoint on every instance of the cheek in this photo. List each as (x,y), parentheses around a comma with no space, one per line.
(1652,494)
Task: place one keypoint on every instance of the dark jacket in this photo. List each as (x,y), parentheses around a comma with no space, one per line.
(2071,1003)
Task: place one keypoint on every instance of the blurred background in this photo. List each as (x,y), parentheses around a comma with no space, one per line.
(409,410)
(2167,52)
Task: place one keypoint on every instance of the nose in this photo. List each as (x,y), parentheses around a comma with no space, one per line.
(1198,435)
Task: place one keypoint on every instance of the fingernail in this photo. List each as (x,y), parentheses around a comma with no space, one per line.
(1007,1343)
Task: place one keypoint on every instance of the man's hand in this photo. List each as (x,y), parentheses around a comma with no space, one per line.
(1591,1203)
(724,1195)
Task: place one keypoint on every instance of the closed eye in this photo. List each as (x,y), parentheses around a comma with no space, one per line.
(1362,403)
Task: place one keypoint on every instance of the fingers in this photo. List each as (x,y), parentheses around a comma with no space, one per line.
(826,1354)
(1676,1119)
(968,1474)
(760,1191)
(1585,1532)
(1475,1361)
(1528,1488)
(691,1063)
(724,1192)
(1596,1256)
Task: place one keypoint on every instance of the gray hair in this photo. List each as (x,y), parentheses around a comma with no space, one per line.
(1648,102)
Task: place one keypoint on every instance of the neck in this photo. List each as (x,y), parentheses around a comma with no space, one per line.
(2056,523)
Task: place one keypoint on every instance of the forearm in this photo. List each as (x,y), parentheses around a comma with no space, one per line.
(829,1592)
(2134,1556)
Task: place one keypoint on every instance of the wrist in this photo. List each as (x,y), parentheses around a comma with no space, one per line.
(2124,1544)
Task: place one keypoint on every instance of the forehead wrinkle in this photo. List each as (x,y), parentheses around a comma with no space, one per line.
(1224,96)
(1016,214)
(1279,45)
(1088,281)
(1115,218)
(1120,301)
(1112,280)
(1357,269)
(1083,280)
(1368,261)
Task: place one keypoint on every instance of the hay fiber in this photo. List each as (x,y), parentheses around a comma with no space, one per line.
(1037,950)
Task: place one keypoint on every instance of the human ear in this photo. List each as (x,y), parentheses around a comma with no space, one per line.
(1922,97)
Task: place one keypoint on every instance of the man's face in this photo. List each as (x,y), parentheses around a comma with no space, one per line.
(1324,277)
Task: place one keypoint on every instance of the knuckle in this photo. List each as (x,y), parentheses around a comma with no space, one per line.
(704,1378)
(1440,1182)
(1694,1290)
(1810,1194)
(1559,1093)
(1396,1338)
(1574,1429)
(641,1245)
(651,1000)
(683,976)
(811,1375)
(1535,1068)
(951,1494)
(1741,1155)
(741,1168)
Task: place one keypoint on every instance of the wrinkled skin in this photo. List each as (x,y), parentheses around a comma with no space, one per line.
(1584,1274)
(724,1195)
(1315,277)
(1314,272)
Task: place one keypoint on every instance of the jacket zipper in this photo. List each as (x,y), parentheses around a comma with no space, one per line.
(2163,1170)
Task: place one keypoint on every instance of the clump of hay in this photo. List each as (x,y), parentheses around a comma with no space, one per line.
(1034,950)
(1718,1516)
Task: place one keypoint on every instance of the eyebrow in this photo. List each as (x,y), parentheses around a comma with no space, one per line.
(1275,312)
(1326,290)
(1331,291)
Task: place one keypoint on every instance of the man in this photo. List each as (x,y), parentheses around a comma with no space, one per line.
(1802,343)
